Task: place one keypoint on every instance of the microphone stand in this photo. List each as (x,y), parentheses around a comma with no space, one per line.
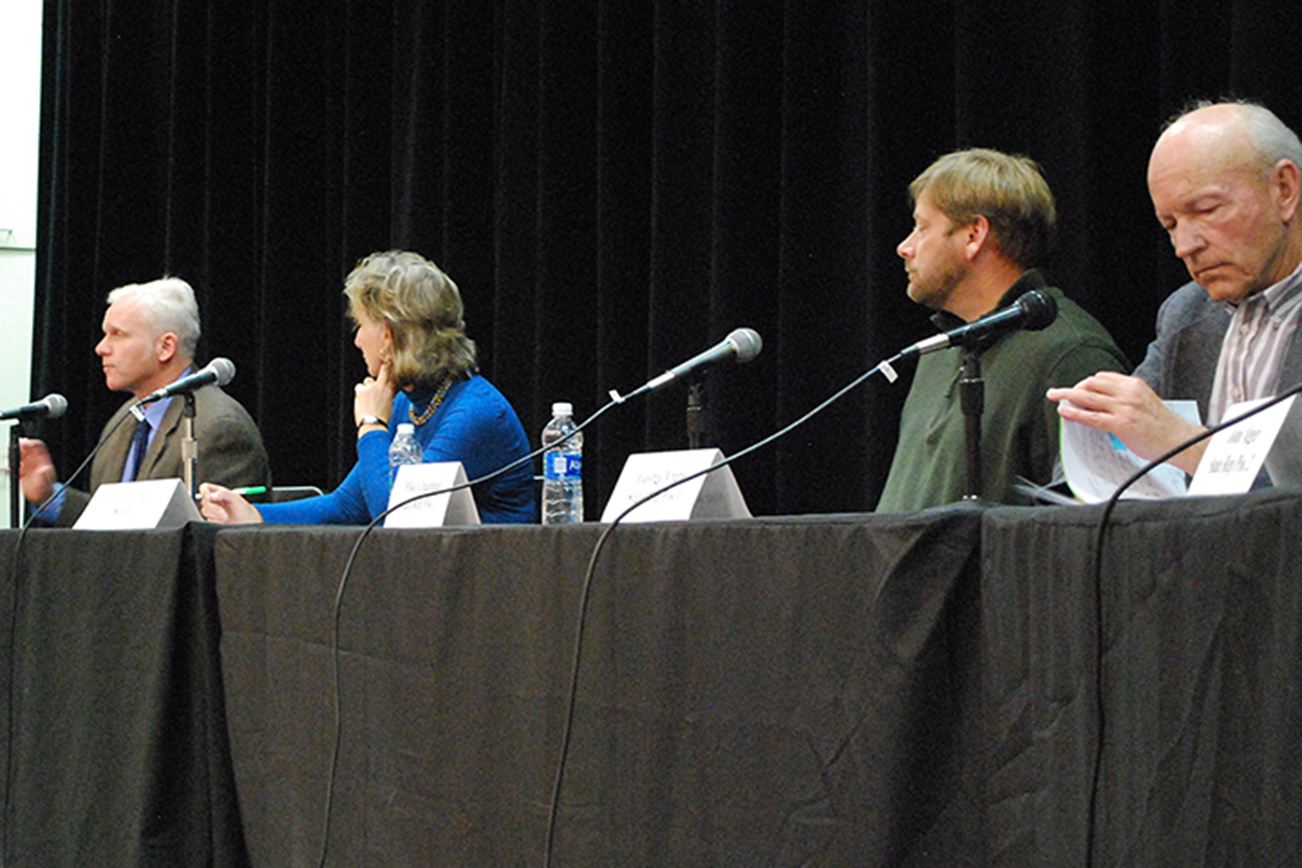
(971,393)
(189,448)
(696,420)
(15,457)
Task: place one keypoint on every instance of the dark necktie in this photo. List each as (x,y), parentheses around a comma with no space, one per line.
(139,443)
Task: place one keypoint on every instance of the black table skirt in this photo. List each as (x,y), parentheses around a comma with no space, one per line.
(1201,675)
(119,752)
(753,692)
(916,690)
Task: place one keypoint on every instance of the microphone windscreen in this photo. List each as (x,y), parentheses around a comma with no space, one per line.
(748,343)
(57,403)
(224,369)
(1040,309)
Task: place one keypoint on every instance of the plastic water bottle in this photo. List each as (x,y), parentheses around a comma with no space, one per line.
(403,450)
(562,490)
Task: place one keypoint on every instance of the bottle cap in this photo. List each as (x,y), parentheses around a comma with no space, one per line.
(406,428)
(562,408)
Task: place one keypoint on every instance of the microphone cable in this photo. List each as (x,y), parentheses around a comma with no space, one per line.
(585,589)
(1099,638)
(747,344)
(336,613)
(12,638)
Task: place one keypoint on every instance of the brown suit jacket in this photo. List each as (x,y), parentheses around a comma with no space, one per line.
(230,448)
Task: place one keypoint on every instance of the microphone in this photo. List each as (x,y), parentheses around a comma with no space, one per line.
(744,344)
(52,405)
(219,371)
(1033,311)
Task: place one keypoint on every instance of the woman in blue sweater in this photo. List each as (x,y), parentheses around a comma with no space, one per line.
(422,370)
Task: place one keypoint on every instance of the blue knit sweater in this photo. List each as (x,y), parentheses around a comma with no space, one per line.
(474,425)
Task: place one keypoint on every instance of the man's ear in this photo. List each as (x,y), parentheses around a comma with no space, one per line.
(1284,189)
(976,236)
(167,347)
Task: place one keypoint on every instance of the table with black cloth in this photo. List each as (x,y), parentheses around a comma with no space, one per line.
(112,695)
(775,690)
(1202,681)
(911,690)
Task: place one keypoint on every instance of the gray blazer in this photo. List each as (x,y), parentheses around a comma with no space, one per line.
(1181,363)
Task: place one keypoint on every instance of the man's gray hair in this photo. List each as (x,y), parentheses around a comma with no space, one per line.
(170,307)
(1270,137)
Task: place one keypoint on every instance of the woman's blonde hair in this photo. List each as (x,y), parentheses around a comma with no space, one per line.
(422,307)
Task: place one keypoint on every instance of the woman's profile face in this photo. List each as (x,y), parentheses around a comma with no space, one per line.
(374,339)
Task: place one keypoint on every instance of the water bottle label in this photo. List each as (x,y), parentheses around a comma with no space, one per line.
(560,466)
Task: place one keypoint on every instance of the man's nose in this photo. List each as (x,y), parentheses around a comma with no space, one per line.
(1186,240)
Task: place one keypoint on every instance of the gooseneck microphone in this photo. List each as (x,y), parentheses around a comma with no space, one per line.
(52,406)
(219,371)
(741,345)
(1033,311)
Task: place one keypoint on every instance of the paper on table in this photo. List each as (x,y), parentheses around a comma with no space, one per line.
(1095,462)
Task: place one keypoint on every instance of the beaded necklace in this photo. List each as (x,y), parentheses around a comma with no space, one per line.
(421,418)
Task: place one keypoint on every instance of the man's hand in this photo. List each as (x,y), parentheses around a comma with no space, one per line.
(36,473)
(1127,407)
(218,503)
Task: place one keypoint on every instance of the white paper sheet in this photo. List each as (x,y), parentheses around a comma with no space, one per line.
(1095,462)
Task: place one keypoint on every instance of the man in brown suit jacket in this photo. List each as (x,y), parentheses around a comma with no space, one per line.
(151,332)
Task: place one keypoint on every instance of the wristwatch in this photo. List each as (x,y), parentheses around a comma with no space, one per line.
(370,419)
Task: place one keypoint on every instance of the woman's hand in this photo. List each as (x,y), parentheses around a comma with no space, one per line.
(374,396)
(220,504)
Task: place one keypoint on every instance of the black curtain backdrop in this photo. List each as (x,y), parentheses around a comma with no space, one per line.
(615,186)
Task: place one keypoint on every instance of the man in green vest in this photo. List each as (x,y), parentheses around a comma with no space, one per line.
(982,222)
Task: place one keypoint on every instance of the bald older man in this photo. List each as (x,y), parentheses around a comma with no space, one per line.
(1224,180)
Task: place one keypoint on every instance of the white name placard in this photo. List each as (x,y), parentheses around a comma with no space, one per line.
(1234,455)
(440,510)
(148,503)
(711,495)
